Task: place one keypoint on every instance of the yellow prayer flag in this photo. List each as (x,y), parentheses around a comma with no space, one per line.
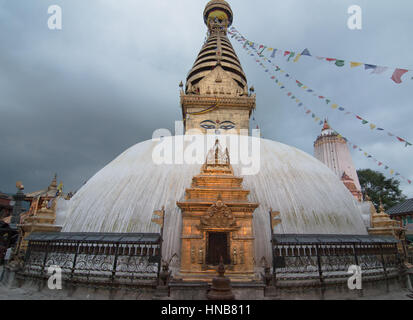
(334,106)
(304,87)
(372,126)
(391,171)
(297,57)
(297,100)
(270,49)
(355,64)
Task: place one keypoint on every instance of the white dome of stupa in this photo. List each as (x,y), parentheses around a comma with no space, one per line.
(122,196)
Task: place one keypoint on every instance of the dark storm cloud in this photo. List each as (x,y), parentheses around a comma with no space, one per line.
(72,100)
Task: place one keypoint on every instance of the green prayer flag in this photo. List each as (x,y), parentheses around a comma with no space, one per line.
(364,122)
(339,63)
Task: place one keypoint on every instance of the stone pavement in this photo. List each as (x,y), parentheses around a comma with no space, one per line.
(27,292)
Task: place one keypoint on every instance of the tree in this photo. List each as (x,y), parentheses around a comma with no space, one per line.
(377,186)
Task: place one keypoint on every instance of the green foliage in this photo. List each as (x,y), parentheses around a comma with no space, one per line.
(376,186)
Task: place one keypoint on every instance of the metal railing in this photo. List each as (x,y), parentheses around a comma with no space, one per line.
(106,258)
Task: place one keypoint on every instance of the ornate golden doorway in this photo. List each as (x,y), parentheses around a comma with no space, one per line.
(217,222)
(217,247)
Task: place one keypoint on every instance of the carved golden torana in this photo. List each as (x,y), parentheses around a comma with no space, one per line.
(216,205)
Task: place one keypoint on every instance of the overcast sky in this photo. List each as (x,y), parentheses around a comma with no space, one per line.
(72,100)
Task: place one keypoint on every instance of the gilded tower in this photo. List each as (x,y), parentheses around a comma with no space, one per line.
(216,95)
(216,213)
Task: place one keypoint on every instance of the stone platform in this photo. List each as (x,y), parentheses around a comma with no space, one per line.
(13,288)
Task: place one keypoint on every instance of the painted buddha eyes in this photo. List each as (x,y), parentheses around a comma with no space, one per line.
(208,124)
(224,125)
(227,125)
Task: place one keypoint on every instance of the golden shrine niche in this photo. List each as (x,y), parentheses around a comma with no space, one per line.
(217,222)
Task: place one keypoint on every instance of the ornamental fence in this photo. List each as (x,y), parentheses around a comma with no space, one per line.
(318,259)
(109,258)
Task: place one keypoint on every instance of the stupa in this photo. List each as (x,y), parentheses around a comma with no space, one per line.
(122,196)
(221,204)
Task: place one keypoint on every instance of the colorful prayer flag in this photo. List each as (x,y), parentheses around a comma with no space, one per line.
(340,63)
(290,56)
(297,57)
(397,75)
(379,70)
(273,53)
(369,66)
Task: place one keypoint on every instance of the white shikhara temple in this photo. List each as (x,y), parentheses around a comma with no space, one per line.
(294,214)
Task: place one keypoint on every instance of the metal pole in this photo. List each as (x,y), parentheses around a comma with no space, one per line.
(383,262)
(160,245)
(274,271)
(115,262)
(320,271)
(75,260)
(356,260)
(45,258)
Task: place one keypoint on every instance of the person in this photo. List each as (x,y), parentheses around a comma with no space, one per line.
(6,260)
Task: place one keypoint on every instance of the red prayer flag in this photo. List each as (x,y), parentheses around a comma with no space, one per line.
(286,53)
(397,75)
(331,59)
(401,140)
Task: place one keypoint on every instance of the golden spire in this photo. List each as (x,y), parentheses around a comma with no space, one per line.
(217,51)
(53,184)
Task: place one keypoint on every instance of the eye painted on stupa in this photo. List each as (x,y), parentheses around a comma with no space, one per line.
(227,125)
(208,124)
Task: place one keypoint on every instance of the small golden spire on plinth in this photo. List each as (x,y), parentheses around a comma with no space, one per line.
(221,285)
